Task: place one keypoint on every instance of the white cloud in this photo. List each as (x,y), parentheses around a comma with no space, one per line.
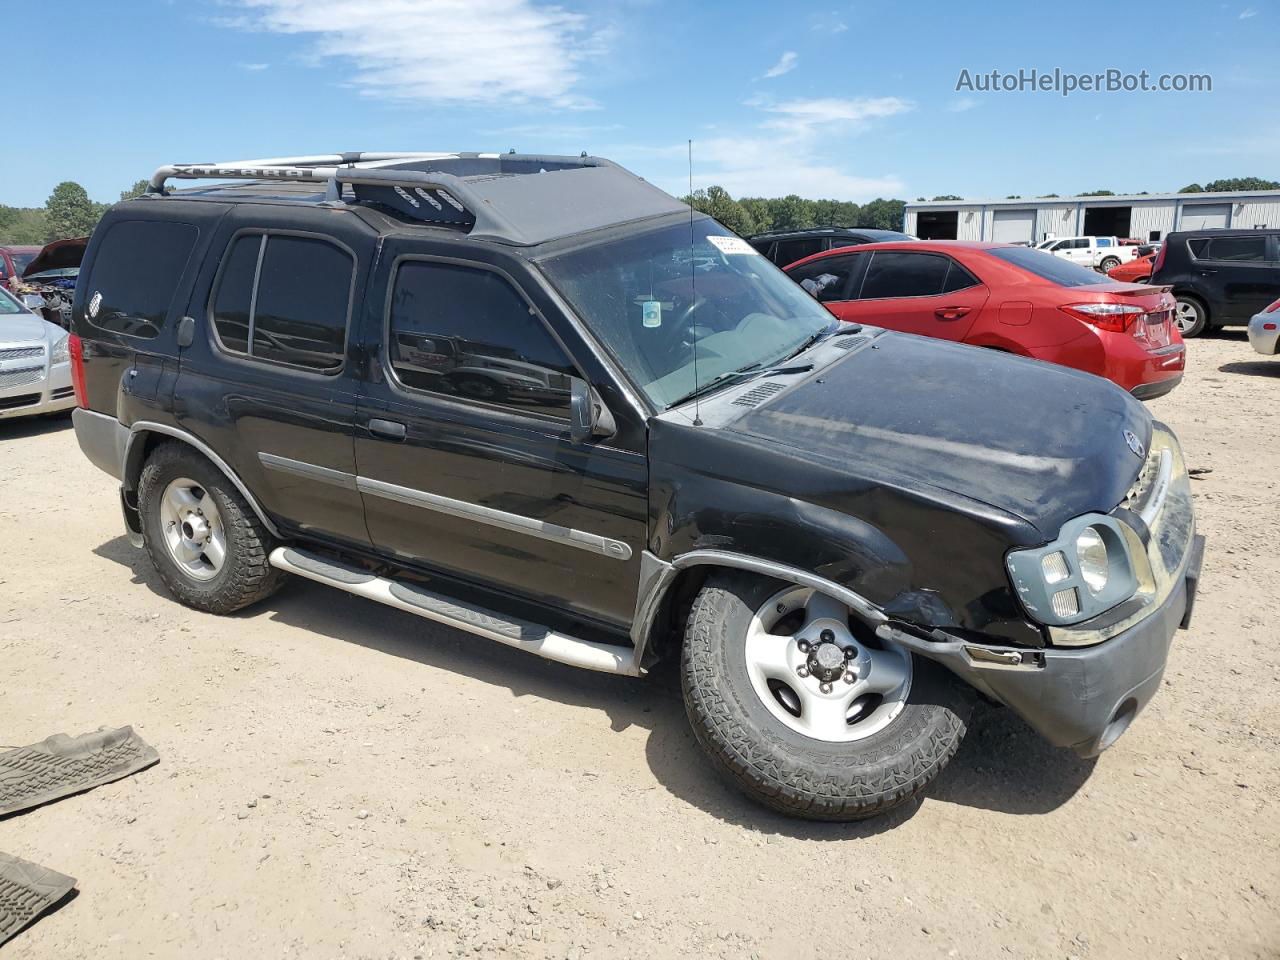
(442,51)
(786,63)
(828,23)
(253,67)
(962,104)
(1248,12)
(802,117)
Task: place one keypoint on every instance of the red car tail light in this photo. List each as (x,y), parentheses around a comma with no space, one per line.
(76,349)
(1116,317)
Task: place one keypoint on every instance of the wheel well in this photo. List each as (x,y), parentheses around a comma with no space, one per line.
(1187,295)
(140,450)
(667,632)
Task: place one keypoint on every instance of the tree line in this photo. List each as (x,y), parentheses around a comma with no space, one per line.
(67,213)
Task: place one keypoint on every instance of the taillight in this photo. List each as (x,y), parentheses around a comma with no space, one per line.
(1159,262)
(77,369)
(1273,308)
(1116,317)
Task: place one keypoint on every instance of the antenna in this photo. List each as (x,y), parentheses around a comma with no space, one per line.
(693,297)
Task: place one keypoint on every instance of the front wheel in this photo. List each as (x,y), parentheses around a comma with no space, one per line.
(1109,263)
(806,713)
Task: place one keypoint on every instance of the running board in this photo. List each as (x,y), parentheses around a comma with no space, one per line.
(545,642)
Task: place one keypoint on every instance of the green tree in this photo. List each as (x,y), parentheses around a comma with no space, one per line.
(716,202)
(1047,196)
(138,189)
(882,214)
(758,211)
(70,212)
(791,212)
(1192,188)
(947,196)
(1240,183)
(1098,193)
(1014,196)
(22,225)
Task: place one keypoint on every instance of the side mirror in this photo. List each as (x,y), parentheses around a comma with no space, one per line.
(588,416)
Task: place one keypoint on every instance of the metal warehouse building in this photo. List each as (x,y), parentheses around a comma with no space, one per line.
(1143,216)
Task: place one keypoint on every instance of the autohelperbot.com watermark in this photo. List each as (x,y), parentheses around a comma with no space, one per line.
(1066,82)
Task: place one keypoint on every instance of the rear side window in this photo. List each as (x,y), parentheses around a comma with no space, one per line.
(789,251)
(136,273)
(285,299)
(893,274)
(827,279)
(848,242)
(467,333)
(1233,249)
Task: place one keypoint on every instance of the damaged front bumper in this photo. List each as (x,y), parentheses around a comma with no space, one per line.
(1084,690)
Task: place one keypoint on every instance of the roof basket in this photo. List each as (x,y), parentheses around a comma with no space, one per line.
(476,191)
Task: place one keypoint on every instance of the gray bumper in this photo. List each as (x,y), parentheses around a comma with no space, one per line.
(1265,341)
(102,439)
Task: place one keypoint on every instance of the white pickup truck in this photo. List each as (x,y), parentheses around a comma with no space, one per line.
(1100,253)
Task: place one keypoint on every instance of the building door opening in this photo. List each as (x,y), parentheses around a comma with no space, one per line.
(1107,221)
(942,225)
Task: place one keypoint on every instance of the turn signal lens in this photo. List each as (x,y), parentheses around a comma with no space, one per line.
(1055,568)
(1066,603)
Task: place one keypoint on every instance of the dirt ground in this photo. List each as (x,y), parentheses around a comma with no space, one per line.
(340,779)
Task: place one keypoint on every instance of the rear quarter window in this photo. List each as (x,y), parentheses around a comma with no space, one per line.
(136,272)
(1048,267)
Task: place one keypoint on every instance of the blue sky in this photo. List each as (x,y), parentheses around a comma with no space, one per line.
(837,100)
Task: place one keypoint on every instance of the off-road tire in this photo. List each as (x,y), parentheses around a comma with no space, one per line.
(788,771)
(1202,315)
(246,577)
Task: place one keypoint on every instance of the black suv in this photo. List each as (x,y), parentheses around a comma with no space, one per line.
(785,247)
(540,400)
(1219,277)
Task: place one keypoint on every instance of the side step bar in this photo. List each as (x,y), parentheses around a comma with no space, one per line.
(605,657)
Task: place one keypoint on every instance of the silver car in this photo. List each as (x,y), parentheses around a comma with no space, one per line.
(1264,329)
(35,363)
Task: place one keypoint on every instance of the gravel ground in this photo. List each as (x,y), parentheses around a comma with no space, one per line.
(339,779)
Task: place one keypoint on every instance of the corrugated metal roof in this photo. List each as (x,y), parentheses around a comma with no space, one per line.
(1129,198)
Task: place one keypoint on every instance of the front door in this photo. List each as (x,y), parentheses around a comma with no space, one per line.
(463,448)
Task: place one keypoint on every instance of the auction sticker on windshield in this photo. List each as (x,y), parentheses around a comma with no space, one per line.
(730,245)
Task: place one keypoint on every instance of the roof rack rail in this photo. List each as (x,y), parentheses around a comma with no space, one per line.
(497,196)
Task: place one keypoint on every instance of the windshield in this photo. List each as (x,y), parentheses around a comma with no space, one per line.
(1048,267)
(9,304)
(649,297)
(20,261)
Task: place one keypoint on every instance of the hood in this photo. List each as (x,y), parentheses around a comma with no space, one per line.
(19,328)
(59,255)
(1036,440)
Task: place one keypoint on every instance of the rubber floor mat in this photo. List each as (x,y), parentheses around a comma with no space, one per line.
(62,765)
(26,891)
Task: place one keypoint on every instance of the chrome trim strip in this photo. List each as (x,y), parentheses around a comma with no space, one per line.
(517,523)
(722,558)
(147,426)
(308,470)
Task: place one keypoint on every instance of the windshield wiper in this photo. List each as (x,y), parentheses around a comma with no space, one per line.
(746,373)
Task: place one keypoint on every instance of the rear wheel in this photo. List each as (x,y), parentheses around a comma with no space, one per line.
(1109,263)
(806,711)
(1191,316)
(206,542)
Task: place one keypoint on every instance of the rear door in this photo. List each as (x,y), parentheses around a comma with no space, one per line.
(1241,270)
(269,379)
(465,457)
(786,252)
(930,294)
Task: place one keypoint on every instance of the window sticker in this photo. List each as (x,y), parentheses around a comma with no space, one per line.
(732,245)
(651,313)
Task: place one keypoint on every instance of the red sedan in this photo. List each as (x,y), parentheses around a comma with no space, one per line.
(1137,270)
(1009,298)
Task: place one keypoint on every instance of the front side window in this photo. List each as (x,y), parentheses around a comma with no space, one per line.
(466,332)
(285,299)
(827,280)
(650,297)
(1238,249)
(136,272)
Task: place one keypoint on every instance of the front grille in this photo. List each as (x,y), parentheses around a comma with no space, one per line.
(62,393)
(16,378)
(21,353)
(1136,498)
(22,400)
(758,394)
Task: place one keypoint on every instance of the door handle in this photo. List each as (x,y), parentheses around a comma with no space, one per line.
(951,313)
(1205,270)
(388,430)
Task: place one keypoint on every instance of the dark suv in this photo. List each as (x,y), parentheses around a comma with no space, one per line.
(1219,277)
(785,247)
(537,399)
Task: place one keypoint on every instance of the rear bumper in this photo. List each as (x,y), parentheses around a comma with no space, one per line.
(1265,341)
(1149,391)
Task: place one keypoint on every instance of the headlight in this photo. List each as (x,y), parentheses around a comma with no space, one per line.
(1091,553)
(1083,573)
(60,353)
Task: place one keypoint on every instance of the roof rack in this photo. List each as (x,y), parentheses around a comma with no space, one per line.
(494,196)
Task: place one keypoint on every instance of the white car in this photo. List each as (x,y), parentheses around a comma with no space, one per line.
(35,363)
(1099,253)
(1264,330)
